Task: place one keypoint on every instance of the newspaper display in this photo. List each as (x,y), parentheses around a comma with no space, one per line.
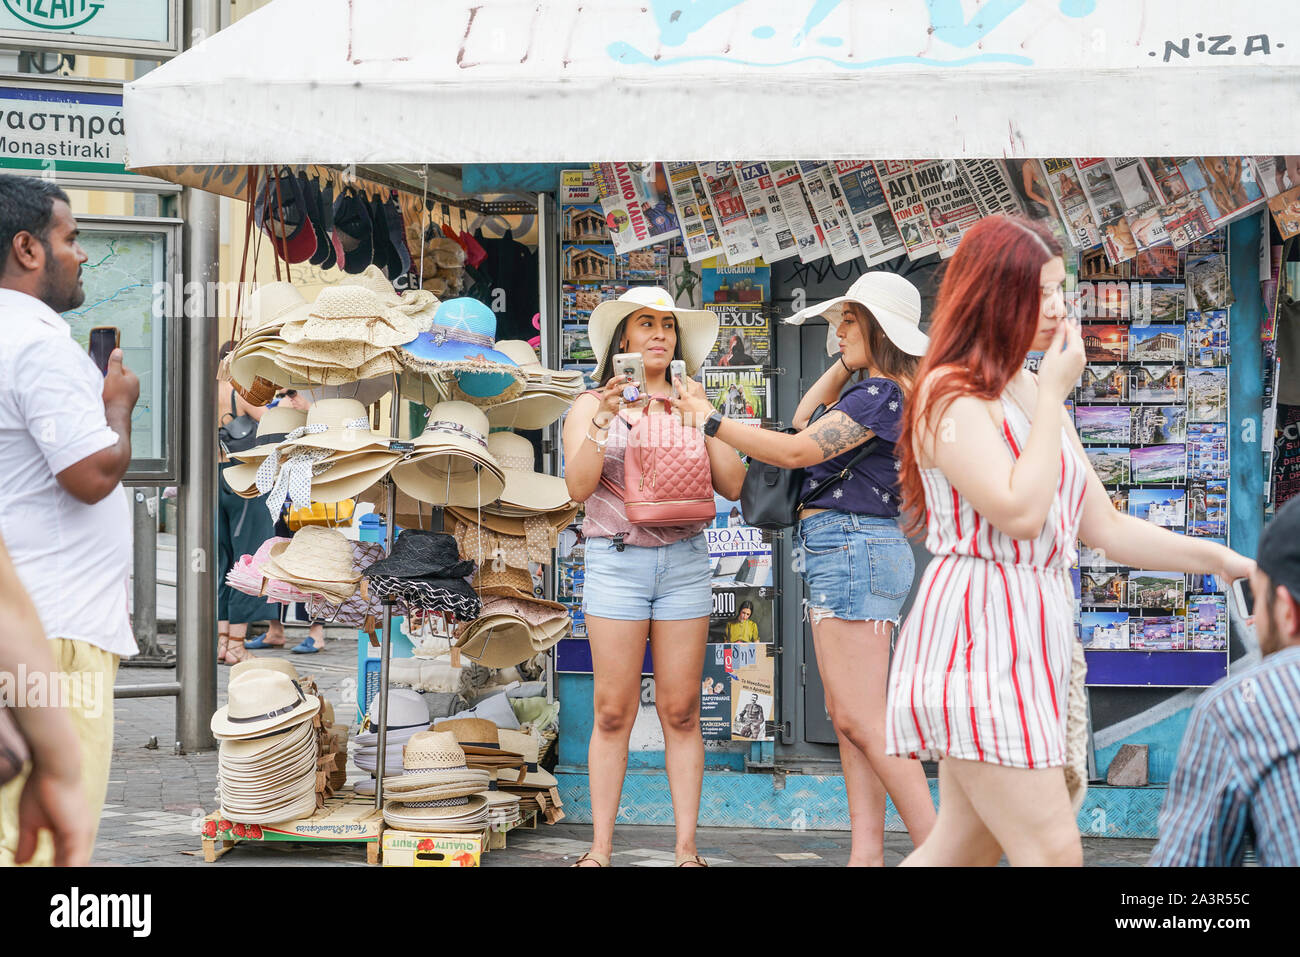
(638,210)
(739,242)
(1232,187)
(739,392)
(1071,203)
(878,237)
(1185,217)
(1107,207)
(798,211)
(763,202)
(1141,201)
(988,183)
(951,206)
(695,218)
(902,192)
(832,212)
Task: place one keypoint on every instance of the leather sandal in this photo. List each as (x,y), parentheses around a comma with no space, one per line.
(600,860)
(235,652)
(684,859)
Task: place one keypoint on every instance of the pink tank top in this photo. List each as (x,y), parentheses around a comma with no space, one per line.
(605,516)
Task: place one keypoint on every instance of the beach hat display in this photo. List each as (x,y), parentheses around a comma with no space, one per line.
(272,429)
(459,351)
(436,789)
(317,560)
(511,630)
(450,463)
(359,611)
(525,488)
(697,329)
(270,305)
(892,300)
(530,746)
(547,395)
(260,701)
(425,572)
(246,576)
(351,313)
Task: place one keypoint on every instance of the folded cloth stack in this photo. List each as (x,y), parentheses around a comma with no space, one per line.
(272,429)
(267,764)
(547,394)
(425,572)
(334,456)
(457,359)
(437,675)
(247,576)
(436,790)
(316,561)
(449,463)
(359,611)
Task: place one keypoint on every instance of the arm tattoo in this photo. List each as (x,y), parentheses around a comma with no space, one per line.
(837,433)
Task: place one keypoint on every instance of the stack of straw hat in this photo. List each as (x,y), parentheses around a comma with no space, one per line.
(511,628)
(480,739)
(547,394)
(363,609)
(247,576)
(458,358)
(316,561)
(451,463)
(272,429)
(268,758)
(407,716)
(270,306)
(436,791)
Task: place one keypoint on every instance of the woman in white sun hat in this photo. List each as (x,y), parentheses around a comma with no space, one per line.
(642,581)
(854,557)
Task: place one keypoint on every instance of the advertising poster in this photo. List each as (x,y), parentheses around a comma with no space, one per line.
(739,242)
(832,210)
(878,237)
(989,182)
(578,188)
(694,217)
(744,337)
(799,212)
(715,696)
(751,671)
(739,392)
(747,284)
(742,615)
(903,193)
(1071,202)
(763,202)
(951,207)
(635,199)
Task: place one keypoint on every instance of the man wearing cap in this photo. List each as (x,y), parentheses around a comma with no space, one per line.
(1238,771)
(65,444)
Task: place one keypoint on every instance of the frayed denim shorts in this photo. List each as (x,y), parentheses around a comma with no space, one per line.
(857,567)
(665,583)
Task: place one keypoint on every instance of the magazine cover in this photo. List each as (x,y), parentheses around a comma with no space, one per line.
(798,211)
(1107,208)
(775,237)
(742,615)
(694,217)
(1285,208)
(951,205)
(1179,179)
(747,284)
(903,193)
(744,336)
(832,212)
(739,392)
(878,237)
(752,670)
(1277,174)
(638,207)
(1141,201)
(739,243)
(1232,188)
(715,696)
(1071,202)
(988,181)
(1029,181)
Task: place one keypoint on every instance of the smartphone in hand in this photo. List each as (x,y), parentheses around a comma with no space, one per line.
(631,365)
(676,370)
(1243,598)
(103,340)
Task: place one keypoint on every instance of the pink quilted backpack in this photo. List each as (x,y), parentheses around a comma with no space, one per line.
(666,470)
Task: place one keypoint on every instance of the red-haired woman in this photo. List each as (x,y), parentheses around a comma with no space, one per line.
(991,458)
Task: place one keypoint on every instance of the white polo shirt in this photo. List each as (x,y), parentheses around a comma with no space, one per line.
(73,558)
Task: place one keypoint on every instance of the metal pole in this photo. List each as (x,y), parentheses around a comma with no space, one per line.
(385,640)
(548,271)
(144,584)
(196,547)
(163,689)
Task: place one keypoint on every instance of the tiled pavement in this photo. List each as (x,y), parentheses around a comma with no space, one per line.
(156,799)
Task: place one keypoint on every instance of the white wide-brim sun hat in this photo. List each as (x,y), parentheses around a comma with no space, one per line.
(892,300)
(697,329)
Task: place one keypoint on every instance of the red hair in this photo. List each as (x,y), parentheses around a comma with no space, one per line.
(984,322)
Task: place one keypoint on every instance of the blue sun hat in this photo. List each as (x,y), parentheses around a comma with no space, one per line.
(458,353)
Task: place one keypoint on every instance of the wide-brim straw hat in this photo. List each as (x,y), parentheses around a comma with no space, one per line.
(532,410)
(516,525)
(468,813)
(274,743)
(273,428)
(314,554)
(894,303)
(476,736)
(525,487)
(517,581)
(329,486)
(352,313)
(505,640)
(260,701)
(270,305)
(282,814)
(697,329)
(339,425)
(530,746)
(449,478)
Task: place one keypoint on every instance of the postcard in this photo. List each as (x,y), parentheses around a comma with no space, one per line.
(1103,424)
(1159,465)
(1104,630)
(1157,343)
(1157,589)
(1110,463)
(1166,507)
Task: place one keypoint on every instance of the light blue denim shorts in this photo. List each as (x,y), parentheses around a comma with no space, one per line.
(665,583)
(857,567)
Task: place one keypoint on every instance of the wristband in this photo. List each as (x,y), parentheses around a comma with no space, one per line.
(598,443)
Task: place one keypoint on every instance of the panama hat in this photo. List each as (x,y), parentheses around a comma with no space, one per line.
(524,487)
(429,758)
(244,750)
(530,747)
(260,701)
(268,664)
(697,329)
(892,300)
(476,736)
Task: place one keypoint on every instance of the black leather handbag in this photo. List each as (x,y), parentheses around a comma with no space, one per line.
(769,497)
(239,433)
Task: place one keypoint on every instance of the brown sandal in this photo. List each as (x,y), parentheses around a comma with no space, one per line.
(600,860)
(695,859)
(235,652)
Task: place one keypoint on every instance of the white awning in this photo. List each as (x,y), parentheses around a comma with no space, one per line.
(491,81)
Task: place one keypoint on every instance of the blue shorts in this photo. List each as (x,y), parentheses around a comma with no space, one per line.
(664,583)
(857,567)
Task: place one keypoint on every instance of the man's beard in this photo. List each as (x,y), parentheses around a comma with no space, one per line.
(60,296)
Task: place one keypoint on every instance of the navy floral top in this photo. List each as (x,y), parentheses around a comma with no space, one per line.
(872,487)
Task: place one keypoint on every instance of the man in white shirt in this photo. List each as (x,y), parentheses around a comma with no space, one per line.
(65,443)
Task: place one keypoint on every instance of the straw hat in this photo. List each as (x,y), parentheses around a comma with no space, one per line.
(244,750)
(270,306)
(430,758)
(461,343)
(340,425)
(352,313)
(267,664)
(530,747)
(316,559)
(476,736)
(524,487)
(515,580)
(357,611)
(262,700)
(892,300)
(697,329)
(517,525)
(503,638)
(450,463)
(272,429)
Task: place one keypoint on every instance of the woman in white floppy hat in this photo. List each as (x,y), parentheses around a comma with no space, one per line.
(851,552)
(642,581)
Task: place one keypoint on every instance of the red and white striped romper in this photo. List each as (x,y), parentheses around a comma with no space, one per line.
(982,665)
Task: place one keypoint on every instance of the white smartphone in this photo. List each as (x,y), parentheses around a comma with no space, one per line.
(1243,597)
(631,365)
(676,370)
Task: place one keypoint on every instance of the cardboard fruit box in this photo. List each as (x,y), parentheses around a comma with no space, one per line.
(420,849)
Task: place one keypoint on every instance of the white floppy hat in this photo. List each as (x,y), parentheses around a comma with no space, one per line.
(892,300)
(697,329)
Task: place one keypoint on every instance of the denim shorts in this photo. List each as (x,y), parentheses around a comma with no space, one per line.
(858,567)
(664,583)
